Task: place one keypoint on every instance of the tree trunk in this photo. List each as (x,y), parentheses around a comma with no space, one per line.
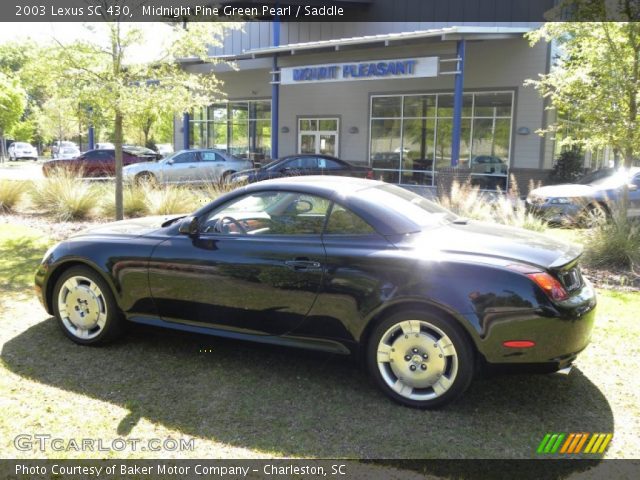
(118,145)
(3,146)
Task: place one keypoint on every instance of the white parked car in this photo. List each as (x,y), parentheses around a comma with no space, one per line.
(68,152)
(57,145)
(164,149)
(19,150)
(105,146)
(187,166)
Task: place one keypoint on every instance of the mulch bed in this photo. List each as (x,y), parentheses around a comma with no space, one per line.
(624,281)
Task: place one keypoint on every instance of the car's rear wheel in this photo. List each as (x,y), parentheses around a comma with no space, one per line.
(420,360)
(594,215)
(85,307)
(146,178)
(226,176)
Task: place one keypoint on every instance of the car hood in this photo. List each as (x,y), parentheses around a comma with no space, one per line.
(567,190)
(136,227)
(495,241)
(143,164)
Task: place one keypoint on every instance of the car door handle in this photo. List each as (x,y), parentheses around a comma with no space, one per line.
(302,265)
(192,166)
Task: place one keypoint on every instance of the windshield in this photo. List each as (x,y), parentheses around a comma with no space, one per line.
(398,201)
(272,164)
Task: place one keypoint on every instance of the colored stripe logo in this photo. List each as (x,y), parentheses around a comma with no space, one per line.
(573,443)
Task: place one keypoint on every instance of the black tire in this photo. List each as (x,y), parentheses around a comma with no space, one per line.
(432,367)
(113,323)
(594,215)
(146,178)
(224,179)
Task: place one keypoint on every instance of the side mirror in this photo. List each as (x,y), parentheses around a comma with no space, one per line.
(189,226)
(170,161)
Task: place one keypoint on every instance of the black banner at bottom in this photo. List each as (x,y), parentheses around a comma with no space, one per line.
(319,469)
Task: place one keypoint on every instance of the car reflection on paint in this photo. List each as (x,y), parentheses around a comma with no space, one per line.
(343,265)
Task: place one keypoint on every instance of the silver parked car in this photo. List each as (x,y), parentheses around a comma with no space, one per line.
(589,201)
(187,166)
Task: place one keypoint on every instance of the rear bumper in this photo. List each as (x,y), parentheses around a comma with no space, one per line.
(559,333)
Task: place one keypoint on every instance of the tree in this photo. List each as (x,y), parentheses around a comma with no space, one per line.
(101,71)
(595,82)
(12,104)
(57,120)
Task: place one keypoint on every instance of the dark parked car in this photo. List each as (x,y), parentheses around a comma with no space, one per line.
(96,163)
(335,264)
(302,164)
(589,201)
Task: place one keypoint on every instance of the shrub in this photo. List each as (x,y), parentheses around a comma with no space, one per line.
(213,190)
(568,167)
(64,196)
(468,201)
(11,192)
(133,198)
(170,199)
(615,244)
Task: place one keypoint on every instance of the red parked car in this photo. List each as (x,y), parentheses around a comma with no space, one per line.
(96,163)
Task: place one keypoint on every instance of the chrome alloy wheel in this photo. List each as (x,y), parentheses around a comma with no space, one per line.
(82,307)
(417,360)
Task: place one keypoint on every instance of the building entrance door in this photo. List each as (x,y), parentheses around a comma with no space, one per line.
(318,135)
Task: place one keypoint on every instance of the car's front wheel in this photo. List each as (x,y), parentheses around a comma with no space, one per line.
(420,360)
(85,307)
(146,178)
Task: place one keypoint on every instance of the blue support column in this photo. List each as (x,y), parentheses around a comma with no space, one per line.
(275,90)
(457,106)
(185,131)
(91,138)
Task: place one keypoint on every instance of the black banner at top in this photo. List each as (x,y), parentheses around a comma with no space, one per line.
(423,11)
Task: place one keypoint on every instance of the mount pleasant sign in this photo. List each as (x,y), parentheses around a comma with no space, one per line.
(369,70)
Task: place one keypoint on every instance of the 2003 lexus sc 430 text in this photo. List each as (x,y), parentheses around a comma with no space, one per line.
(343,265)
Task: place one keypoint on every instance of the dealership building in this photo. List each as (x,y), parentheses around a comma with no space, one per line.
(418,102)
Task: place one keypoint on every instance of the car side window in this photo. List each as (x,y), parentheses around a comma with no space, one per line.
(186,157)
(301,163)
(211,157)
(269,213)
(636,180)
(328,164)
(98,155)
(344,222)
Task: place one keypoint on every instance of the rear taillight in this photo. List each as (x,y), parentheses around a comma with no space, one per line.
(370,175)
(547,282)
(550,285)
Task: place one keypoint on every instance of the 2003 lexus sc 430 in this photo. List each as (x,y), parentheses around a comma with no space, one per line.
(343,265)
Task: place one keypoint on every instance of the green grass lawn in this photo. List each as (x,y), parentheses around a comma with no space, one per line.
(243,400)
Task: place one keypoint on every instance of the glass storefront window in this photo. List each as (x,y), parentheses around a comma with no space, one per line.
(412,134)
(242,128)
(386,107)
(418,146)
(419,106)
(385,143)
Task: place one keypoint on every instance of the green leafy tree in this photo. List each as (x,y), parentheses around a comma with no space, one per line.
(102,71)
(595,81)
(12,104)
